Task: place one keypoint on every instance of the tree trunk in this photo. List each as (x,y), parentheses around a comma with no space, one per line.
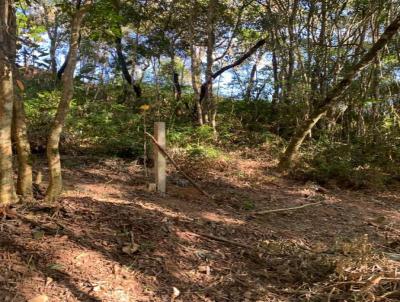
(275,96)
(250,85)
(124,67)
(210,105)
(24,181)
(252,77)
(195,72)
(195,61)
(244,57)
(177,90)
(53,154)
(61,71)
(52,53)
(19,128)
(52,32)
(7,189)
(291,58)
(331,99)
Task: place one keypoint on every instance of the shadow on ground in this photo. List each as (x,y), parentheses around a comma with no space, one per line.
(111,240)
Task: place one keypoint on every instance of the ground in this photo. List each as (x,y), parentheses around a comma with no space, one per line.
(110,239)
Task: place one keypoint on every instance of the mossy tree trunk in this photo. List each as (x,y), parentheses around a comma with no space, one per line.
(331,99)
(7,189)
(53,154)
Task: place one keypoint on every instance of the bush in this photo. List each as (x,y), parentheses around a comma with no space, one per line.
(350,165)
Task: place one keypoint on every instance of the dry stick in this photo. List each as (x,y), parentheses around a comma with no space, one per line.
(177,167)
(390,294)
(384,227)
(287,209)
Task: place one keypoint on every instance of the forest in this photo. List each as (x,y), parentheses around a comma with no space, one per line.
(199,150)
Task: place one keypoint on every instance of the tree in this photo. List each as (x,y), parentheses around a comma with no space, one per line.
(332,96)
(19,126)
(7,189)
(53,154)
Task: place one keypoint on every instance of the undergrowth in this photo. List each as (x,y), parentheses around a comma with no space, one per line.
(108,122)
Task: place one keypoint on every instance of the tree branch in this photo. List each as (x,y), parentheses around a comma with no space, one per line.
(249,53)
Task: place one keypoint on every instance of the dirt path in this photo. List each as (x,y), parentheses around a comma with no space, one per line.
(111,240)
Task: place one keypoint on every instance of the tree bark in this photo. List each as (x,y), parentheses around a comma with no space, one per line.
(52,53)
(331,99)
(195,58)
(19,127)
(124,67)
(61,71)
(209,104)
(52,32)
(24,180)
(195,71)
(53,154)
(250,84)
(7,189)
(276,85)
(177,89)
(291,58)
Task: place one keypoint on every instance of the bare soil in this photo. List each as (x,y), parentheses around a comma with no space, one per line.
(110,239)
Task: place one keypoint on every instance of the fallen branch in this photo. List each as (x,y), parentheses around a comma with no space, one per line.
(287,209)
(164,152)
(385,227)
(394,293)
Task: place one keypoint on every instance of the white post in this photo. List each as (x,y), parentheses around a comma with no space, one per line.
(159,158)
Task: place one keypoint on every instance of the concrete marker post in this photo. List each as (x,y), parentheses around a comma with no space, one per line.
(160,162)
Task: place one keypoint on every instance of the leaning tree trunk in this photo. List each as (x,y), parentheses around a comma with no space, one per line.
(332,96)
(53,154)
(19,128)
(7,189)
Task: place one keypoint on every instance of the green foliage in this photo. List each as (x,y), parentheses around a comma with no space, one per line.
(40,108)
(203,152)
(356,165)
(99,126)
(185,135)
(248,205)
(197,142)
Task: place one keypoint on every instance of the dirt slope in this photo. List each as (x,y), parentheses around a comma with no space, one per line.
(112,240)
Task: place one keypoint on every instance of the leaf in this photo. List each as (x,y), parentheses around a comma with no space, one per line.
(41,298)
(20,85)
(49,280)
(131,248)
(175,293)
